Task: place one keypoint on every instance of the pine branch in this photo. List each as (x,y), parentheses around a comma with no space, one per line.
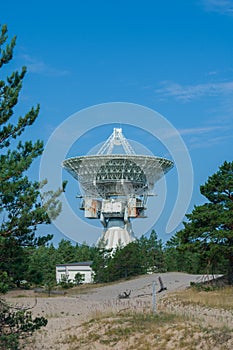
(7,53)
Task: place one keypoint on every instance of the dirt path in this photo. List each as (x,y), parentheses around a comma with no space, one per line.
(69,312)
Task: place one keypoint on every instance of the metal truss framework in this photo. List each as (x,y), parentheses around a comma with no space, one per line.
(116,139)
(116,186)
(106,175)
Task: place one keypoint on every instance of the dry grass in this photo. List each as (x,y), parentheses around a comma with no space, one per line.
(220,298)
(171,328)
(139,331)
(187,319)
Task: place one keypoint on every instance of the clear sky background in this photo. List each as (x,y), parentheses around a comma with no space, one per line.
(175,57)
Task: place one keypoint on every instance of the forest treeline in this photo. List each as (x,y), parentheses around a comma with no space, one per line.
(35,266)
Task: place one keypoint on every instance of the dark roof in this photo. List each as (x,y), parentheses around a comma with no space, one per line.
(81,263)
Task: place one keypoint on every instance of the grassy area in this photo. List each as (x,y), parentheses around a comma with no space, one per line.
(221,298)
(189,319)
(168,329)
(139,331)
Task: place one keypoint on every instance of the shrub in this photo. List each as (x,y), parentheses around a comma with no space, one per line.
(16,324)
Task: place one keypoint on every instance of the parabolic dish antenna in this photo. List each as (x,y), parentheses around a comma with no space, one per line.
(116,186)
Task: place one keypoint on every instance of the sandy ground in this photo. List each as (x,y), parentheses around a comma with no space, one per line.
(69,312)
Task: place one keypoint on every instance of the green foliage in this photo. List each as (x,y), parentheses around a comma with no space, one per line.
(208,233)
(4,282)
(13,259)
(179,259)
(41,266)
(126,262)
(47,257)
(65,282)
(84,252)
(78,278)
(152,253)
(22,208)
(100,264)
(16,325)
(205,287)
(136,258)
(66,252)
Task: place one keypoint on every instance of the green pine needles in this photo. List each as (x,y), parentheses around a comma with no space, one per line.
(16,325)
(21,207)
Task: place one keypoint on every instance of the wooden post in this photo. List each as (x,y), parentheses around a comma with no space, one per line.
(153,298)
(161,285)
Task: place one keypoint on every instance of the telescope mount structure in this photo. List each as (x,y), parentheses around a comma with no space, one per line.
(116,186)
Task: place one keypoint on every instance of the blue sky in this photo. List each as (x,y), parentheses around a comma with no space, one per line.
(175,57)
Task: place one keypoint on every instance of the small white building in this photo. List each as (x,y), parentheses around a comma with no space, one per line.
(70,270)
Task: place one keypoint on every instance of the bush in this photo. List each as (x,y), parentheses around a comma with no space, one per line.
(65,282)
(16,324)
(78,278)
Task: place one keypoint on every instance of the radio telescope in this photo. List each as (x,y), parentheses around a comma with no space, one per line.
(116,186)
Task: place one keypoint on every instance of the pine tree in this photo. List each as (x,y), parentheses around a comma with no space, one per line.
(21,207)
(209,230)
(152,253)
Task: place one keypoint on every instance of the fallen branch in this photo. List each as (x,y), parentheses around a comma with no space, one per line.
(124,295)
